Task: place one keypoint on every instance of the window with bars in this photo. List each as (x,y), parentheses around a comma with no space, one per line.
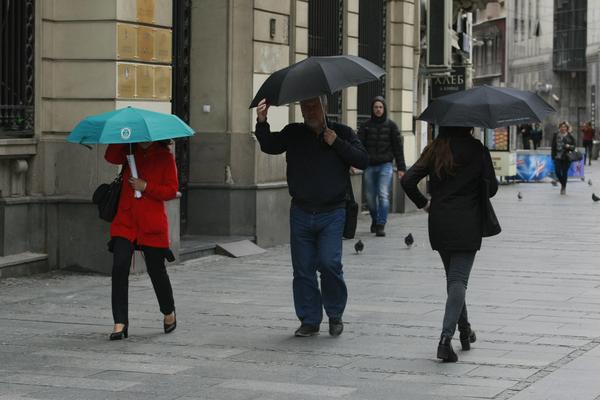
(17,33)
(325,38)
(371,45)
(570,36)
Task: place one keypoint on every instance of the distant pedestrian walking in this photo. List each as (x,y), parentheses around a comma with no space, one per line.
(562,144)
(319,155)
(382,139)
(456,164)
(525,131)
(588,141)
(536,136)
(141,224)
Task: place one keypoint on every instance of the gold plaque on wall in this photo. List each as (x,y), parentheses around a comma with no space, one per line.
(127,41)
(126,76)
(164,44)
(162,82)
(146,43)
(145,81)
(145,11)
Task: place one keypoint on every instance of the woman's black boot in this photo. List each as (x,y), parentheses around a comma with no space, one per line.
(121,334)
(445,351)
(466,338)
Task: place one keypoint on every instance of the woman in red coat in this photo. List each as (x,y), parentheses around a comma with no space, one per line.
(141,224)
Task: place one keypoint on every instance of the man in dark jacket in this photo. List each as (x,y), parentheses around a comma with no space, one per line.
(319,156)
(383,142)
(525,131)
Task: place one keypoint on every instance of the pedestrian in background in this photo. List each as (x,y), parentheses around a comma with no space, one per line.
(536,135)
(456,164)
(382,139)
(319,155)
(141,224)
(562,143)
(588,141)
(525,131)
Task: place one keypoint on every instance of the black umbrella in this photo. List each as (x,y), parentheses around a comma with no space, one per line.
(487,107)
(316,76)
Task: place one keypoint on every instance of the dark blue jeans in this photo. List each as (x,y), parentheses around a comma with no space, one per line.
(458,267)
(316,245)
(378,180)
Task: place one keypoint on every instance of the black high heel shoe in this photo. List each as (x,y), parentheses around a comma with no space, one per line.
(120,335)
(171,327)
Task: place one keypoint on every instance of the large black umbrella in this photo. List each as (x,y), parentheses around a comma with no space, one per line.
(316,76)
(487,107)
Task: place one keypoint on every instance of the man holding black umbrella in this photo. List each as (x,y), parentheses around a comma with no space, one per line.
(319,155)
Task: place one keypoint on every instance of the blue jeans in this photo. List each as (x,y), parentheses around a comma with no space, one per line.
(378,180)
(458,267)
(316,245)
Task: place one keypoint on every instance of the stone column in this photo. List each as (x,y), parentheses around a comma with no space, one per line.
(350,95)
(234,188)
(401,65)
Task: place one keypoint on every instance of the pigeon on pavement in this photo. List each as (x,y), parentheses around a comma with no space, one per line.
(359,246)
(409,240)
(595,198)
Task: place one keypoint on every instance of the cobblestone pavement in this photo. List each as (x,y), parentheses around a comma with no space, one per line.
(534,301)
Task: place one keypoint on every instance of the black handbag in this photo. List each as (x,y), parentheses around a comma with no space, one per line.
(351,212)
(106,197)
(574,156)
(489,222)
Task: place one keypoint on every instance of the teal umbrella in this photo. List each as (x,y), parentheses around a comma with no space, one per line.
(129,125)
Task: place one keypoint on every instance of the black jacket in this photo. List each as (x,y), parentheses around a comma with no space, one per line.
(568,140)
(455,211)
(382,139)
(317,173)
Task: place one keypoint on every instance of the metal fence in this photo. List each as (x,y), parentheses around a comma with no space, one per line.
(325,38)
(17,34)
(371,45)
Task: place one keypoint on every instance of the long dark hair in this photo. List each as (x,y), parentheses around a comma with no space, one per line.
(438,156)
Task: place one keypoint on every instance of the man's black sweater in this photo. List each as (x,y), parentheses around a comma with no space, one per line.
(317,173)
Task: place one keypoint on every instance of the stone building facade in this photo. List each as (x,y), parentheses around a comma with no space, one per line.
(203,59)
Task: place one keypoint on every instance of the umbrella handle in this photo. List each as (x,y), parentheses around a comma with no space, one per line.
(324,114)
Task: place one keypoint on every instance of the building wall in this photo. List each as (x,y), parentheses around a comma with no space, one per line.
(94,56)
(235,188)
(531,65)
(593,64)
(91,57)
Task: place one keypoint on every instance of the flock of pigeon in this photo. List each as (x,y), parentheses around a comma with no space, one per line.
(554,183)
(409,240)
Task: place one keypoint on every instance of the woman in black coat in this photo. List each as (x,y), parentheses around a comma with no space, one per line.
(562,144)
(456,164)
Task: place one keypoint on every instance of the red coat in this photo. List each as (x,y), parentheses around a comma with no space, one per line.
(144,220)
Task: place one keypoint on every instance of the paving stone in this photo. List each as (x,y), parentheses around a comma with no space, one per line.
(535,311)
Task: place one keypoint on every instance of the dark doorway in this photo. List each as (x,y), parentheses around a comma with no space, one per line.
(371,45)
(325,38)
(181,96)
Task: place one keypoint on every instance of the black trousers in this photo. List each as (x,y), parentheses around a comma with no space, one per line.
(155,264)
(589,145)
(562,171)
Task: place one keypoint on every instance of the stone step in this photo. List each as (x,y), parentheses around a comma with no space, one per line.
(196,246)
(23,264)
